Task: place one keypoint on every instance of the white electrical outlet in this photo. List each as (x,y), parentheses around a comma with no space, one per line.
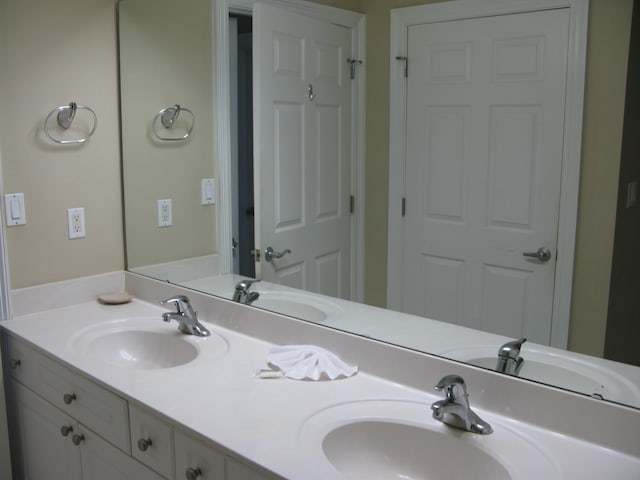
(165,217)
(75,221)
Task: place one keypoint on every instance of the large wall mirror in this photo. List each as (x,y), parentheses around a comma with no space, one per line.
(195,219)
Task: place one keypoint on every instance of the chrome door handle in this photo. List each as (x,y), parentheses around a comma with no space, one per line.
(270,253)
(543,254)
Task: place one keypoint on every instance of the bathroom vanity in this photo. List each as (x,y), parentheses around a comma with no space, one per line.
(97,390)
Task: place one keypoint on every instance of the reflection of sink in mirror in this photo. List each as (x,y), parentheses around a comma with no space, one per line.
(555,368)
(141,344)
(380,439)
(314,308)
(291,308)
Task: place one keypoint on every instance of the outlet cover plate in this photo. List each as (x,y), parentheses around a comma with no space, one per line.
(75,222)
(165,216)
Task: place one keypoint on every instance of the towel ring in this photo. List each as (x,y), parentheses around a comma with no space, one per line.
(168,117)
(65,116)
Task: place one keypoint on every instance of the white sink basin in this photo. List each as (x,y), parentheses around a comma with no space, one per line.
(387,439)
(394,450)
(552,368)
(143,344)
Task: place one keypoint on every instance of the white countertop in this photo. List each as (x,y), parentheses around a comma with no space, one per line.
(220,398)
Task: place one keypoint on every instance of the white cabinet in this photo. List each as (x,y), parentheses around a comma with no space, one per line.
(240,471)
(94,406)
(196,460)
(65,426)
(40,451)
(103,461)
(151,440)
(49,444)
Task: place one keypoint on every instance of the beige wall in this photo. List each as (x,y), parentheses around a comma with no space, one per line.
(167,58)
(52,53)
(609,30)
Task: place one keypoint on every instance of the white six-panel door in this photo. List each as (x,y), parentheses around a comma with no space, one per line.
(484,146)
(302,98)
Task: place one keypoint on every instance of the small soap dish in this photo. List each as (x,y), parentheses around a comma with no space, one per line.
(115,298)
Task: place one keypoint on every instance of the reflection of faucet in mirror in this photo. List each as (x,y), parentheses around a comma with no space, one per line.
(509,359)
(455,410)
(186,317)
(242,294)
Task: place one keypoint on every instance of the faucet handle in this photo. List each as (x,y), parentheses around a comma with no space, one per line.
(449,383)
(245,284)
(181,302)
(511,349)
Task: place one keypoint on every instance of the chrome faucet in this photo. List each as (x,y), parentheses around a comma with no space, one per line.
(186,317)
(509,359)
(242,294)
(454,410)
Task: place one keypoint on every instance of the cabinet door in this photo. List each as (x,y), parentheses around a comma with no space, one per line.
(151,440)
(196,460)
(103,461)
(41,451)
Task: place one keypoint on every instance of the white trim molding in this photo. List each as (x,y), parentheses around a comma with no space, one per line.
(401,19)
(357,24)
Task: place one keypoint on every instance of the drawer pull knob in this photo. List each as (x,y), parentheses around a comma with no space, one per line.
(65,430)
(193,473)
(69,397)
(14,363)
(144,444)
(77,439)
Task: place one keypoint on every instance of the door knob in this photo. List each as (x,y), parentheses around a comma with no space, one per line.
(543,254)
(270,253)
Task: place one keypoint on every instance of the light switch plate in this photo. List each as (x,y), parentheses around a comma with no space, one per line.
(208,189)
(14,209)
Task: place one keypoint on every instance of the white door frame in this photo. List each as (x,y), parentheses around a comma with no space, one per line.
(354,21)
(401,19)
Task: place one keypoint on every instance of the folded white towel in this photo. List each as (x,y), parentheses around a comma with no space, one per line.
(308,362)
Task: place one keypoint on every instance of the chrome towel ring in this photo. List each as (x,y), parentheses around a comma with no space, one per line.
(167,118)
(65,117)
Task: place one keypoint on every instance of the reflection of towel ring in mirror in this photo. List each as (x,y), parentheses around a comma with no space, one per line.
(168,117)
(65,117)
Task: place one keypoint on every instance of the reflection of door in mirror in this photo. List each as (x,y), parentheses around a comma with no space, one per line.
(484,143)
(302,153)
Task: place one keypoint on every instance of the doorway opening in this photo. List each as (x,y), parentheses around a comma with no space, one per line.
(241,126)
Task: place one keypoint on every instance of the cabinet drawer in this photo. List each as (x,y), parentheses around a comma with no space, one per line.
(196,460)
(151,440)
(94,406)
